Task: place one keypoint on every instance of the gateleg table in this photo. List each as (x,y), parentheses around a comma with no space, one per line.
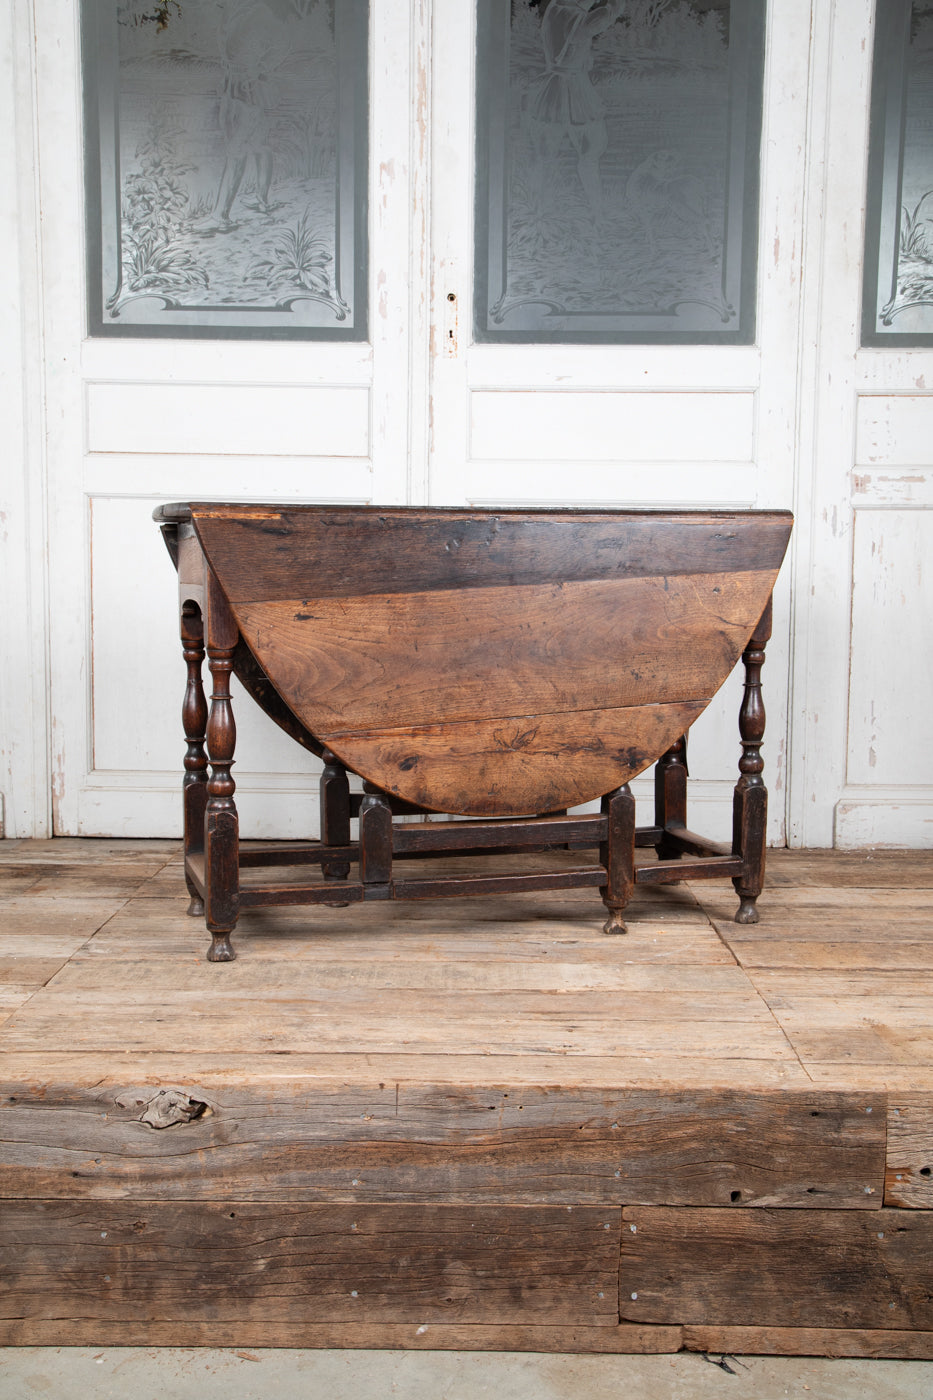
(497,667)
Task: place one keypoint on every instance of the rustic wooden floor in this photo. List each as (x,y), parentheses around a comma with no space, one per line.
(479,1123)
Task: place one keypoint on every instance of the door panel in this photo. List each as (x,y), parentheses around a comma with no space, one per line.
(258,420)
(226,173)
(584,426)
(617,181)
(892,550)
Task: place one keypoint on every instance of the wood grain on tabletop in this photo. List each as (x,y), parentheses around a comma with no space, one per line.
(419,646)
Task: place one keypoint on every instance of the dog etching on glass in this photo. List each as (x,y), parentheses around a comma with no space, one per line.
(661,193)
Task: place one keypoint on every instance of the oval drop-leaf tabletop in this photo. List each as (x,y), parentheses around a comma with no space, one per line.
(494,663)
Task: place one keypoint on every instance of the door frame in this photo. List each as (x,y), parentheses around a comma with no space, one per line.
(25,712)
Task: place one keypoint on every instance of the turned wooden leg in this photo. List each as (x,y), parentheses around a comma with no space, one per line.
(750,803)
(375,843)
(617,854)
(221,825)
(670,795)
(194,719)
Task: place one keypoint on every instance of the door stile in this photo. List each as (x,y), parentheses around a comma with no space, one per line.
(841,76)
(400,48)
(62,329)
(783,389)
(451,161)
(25,775)
(422,109)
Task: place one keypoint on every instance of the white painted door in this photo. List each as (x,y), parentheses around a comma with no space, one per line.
(862,746)
(132,422)
(664,425)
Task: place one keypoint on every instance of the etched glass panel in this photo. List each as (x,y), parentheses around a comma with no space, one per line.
(897,304)
(226,167)
(617,170)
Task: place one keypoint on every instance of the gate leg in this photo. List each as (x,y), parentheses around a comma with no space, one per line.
(194,719)
(221,824)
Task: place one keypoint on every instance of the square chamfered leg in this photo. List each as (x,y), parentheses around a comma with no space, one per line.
(221,825)
(750,802)
(194,719)
(335,813)
(670,797)
(335,819)
(375,843)
(617,855)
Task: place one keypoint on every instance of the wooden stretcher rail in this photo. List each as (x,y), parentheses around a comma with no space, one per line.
(499,884)
(466,836)
(691,844)
(672,872)
(308,853)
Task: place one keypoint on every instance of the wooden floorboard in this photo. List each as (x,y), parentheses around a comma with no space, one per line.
(505,1123)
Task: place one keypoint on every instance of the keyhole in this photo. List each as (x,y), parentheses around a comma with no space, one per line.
(452,324)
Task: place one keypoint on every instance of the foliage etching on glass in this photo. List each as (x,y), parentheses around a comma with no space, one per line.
(899,228)
(233,203)
(617,168)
